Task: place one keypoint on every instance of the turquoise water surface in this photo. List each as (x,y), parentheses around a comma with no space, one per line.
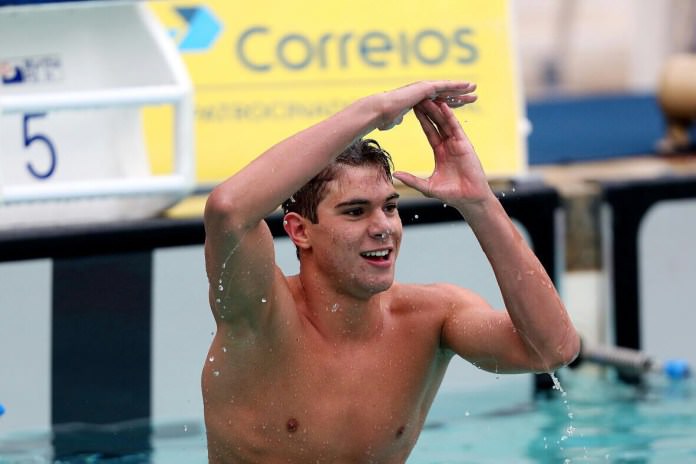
(597,419)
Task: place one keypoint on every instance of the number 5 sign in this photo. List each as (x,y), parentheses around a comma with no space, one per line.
(40,139)
(70,111)
(63,146)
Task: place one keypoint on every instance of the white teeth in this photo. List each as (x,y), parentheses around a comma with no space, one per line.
(376,254)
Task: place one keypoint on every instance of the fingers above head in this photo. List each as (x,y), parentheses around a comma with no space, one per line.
(454,93)
(455,100)
(455,87)
(451,123)
(456,97)
(433,89)
(429,128)
(433,110)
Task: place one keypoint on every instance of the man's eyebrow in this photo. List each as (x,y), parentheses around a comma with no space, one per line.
(352,202)
(363,201)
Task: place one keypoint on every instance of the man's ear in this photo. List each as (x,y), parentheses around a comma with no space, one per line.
(296,228)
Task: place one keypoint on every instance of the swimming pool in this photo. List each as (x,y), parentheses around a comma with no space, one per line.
(477,418)
(597,420)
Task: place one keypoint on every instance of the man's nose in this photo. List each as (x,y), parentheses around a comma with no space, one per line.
(381,226)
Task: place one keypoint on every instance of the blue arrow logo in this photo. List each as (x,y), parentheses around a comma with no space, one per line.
(203,28)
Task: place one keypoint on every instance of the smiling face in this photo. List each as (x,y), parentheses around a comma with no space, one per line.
(356,239)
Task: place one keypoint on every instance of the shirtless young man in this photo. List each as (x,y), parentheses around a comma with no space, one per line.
(340,364)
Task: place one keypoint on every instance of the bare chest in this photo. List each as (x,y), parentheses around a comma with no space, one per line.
(321,398)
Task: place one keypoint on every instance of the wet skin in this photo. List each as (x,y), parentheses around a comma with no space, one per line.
(345,376)
(339,364)
(300,397)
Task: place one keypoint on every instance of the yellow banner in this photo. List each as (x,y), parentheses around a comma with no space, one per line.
(265,70)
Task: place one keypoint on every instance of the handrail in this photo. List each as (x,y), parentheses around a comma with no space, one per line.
(100,98)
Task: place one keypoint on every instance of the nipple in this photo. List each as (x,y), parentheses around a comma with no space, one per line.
(292,425)
(400,431)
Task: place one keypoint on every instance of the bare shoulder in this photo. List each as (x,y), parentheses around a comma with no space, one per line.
(437,299)
(434,293)
(424,310)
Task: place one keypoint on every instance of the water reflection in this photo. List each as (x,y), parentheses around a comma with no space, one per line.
(614,422)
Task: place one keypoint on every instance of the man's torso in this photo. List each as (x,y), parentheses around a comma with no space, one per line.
(291,395)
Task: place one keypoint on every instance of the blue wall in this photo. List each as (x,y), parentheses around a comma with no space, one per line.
(593,128)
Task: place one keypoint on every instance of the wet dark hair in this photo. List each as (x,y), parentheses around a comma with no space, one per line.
(363,152)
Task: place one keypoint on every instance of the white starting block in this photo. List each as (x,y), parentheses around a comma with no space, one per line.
(74,78)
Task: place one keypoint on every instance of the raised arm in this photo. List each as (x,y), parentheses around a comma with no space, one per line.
(239,250)
(536,332)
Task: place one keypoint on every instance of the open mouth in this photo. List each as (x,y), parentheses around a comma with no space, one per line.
(376,255)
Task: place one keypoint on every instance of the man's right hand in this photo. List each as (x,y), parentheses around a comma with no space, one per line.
(394,104)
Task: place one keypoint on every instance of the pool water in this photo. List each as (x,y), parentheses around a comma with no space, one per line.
(597,420)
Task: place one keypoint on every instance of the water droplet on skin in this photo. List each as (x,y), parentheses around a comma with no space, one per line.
(263,300)
(218,300)
(224,349)
(220,287)
(334,307)
(211,359)
(285,223)
(216,373)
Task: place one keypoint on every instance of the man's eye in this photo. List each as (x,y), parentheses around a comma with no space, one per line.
(354,212)
(390,208)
